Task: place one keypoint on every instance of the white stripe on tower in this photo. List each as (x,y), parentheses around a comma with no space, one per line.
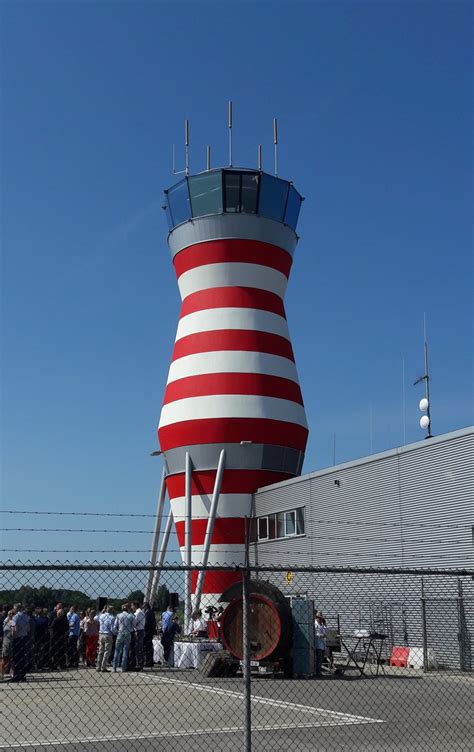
(211,319)
(230,505)
(232,361)
(232,406)
(232,275)
(219,554)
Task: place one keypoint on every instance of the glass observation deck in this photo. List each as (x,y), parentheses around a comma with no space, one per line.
(233,191)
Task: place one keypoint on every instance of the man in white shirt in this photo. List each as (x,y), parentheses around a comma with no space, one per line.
(124,626)
(139,632)
(106,622)
(199,625)
(319,642)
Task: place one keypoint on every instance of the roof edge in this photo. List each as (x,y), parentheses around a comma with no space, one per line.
(404,449)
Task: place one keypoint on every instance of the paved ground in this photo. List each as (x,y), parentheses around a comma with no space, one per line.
(176,710)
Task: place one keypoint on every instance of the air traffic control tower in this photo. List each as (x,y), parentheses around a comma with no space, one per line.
(233,418)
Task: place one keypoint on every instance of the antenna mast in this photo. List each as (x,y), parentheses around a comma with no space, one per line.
(425,405)
(230,133)
(186,146)
(275,143)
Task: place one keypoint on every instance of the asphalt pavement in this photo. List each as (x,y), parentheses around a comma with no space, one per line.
(176,710)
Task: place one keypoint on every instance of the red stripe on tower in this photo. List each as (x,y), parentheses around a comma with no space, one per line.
(233,383)
(233,339)
(232,251)
(232,297)
(232,430)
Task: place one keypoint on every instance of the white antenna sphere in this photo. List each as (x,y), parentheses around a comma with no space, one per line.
(424,421)
(424,404)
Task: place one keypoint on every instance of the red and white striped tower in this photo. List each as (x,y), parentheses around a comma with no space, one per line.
(232,384)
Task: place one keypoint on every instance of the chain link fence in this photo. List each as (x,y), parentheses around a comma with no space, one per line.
(307,659)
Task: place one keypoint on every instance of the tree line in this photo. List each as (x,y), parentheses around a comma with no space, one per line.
(47,597)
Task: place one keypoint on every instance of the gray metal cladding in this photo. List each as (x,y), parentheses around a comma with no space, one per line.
(238,457)
(413,506)
(236,226)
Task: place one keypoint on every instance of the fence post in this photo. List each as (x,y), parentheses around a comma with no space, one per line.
(425,633)
(246,648)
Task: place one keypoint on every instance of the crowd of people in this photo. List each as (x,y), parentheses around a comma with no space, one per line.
(35,639)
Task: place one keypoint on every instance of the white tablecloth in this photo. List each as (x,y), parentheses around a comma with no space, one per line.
(158,656)
(192,654)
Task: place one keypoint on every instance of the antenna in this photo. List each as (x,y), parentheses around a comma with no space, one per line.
(404,426)
(260,157)
(186,152)
(230,133)
(371,429)
(208,158)
(275,143)
(186,146)
(425,406)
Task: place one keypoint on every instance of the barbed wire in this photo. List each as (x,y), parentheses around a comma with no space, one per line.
(359,539)
(363,523)
(176,551)
(78,514)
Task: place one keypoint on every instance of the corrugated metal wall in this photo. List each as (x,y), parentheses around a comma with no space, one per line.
(412,507)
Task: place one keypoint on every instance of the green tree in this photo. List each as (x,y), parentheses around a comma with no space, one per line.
(26,595)
(136,595)
(162,599)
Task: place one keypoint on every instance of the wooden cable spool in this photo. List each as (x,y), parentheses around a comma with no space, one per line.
(270,622)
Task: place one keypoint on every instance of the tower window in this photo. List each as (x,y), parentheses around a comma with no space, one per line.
(232,181)
(249,193)
(206,194)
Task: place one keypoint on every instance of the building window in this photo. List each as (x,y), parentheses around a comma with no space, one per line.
(281,525)
(299,521)
(290,523)
(262,528)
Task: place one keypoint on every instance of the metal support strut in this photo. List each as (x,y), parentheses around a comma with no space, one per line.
(187,541)
(210,526)
(156,535)
(161,558)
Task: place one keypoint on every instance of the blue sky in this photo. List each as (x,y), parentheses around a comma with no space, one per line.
(375,122)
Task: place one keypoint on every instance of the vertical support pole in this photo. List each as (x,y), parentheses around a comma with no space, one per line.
(260,157)
(246,647)
(164,546)
(210,527)
(463,634)
(425,632)
(208,158)
(156,533)
(187,541)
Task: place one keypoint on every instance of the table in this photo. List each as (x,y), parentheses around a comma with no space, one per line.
(192,654)
(372,644)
